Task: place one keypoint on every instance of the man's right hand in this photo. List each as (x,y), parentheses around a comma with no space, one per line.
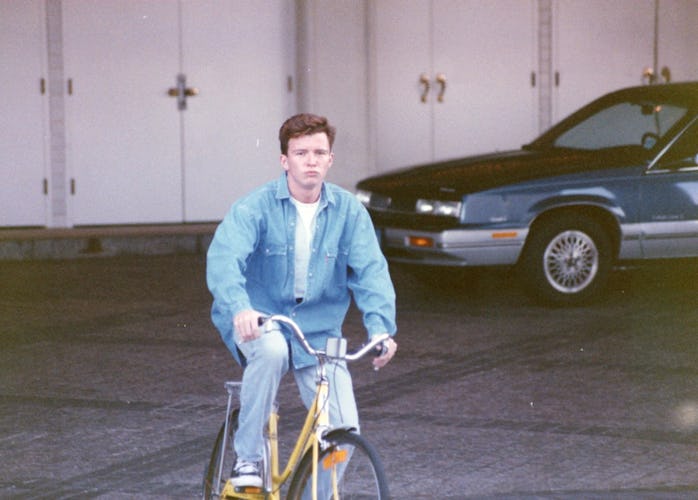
(246,325)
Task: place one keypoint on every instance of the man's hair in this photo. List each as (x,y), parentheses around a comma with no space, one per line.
(304,124)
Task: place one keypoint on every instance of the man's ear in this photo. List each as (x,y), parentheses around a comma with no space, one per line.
(284,162)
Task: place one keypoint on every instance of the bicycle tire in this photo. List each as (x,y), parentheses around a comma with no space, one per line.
(209,489)
(363,476)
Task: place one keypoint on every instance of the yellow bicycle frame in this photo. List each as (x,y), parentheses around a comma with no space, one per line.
(317,421)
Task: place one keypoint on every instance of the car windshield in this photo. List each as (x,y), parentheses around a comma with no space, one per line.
(621,125)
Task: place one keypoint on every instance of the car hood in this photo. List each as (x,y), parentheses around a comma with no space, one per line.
(455,178)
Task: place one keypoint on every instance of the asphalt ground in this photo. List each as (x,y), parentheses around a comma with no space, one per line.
(111,385)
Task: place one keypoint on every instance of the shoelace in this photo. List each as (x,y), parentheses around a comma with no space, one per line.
(244,468)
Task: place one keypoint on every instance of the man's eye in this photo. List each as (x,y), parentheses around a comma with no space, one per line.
(300,153)
(321,152)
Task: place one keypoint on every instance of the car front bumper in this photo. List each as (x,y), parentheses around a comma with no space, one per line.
(453,247)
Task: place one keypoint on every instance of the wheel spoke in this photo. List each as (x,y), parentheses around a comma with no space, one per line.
(570,261)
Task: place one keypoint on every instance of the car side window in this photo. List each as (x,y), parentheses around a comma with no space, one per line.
(684,152)
(621,125)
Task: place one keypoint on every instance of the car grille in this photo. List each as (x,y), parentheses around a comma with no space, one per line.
(411,220)
(380,202)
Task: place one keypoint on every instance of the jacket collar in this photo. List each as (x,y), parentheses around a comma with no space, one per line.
(282,192)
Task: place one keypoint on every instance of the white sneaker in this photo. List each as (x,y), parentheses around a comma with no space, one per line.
(246,474)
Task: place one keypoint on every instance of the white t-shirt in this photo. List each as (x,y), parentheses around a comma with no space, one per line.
(305,229)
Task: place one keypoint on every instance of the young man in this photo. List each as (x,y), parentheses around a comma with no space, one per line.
(301,247)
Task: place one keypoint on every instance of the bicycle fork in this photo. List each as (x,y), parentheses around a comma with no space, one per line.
(322,426)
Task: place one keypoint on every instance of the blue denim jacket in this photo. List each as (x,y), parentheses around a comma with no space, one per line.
(250,266)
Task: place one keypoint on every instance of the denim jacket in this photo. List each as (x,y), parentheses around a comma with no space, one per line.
(250,265)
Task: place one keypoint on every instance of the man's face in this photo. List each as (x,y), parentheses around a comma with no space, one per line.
(307,162)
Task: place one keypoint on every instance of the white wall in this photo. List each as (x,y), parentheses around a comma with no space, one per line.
(330,53)
(332,79)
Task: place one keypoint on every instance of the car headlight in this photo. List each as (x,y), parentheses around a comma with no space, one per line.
(376,201)
(437,207)
(364,197)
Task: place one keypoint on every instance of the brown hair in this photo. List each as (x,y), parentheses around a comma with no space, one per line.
(304,124)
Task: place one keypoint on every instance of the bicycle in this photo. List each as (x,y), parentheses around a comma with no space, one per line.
(324,462)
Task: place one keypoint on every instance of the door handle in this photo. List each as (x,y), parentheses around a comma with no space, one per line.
(648,76)
(424,80)
(441,80)
(181,92)
(666,74)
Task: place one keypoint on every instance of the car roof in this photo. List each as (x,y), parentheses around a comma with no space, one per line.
(683,93)
(680,91)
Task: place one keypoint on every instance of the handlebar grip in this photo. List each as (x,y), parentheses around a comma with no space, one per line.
(376,352)
(380,349)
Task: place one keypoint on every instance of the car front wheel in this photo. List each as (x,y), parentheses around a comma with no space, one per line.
(567,259)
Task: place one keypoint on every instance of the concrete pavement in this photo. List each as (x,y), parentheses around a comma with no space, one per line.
(111,385)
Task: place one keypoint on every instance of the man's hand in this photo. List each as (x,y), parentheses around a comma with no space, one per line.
(385,358)
(247,325)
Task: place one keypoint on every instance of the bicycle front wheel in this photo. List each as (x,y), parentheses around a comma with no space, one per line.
(222,460)
(348,469)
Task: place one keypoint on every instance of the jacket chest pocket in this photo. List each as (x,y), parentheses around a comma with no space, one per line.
(273,265)
(333,270)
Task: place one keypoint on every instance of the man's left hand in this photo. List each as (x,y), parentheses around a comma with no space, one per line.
(385,358)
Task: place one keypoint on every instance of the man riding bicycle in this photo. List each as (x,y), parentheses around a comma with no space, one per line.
(301,247)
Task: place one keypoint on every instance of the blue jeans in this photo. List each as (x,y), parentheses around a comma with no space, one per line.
(267,362)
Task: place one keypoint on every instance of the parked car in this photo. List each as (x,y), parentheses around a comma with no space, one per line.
(615,181)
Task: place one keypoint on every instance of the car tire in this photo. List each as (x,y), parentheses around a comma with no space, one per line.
(567,259)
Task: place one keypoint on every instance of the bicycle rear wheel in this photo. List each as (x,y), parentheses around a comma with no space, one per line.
(212,483)
(350,466)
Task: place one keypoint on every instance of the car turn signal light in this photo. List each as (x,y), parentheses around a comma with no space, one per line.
(504,235)
(420,241)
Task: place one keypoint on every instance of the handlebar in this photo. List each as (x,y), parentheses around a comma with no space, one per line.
(374,345)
